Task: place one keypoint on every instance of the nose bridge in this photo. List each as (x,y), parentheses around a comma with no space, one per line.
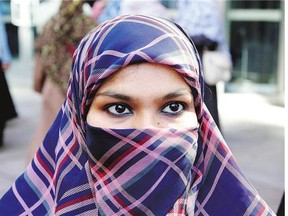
(146,119)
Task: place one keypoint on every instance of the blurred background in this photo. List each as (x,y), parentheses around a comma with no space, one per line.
(254,28)
(251,104)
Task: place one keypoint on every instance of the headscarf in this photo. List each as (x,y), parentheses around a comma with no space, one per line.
(62,179)
(59,39)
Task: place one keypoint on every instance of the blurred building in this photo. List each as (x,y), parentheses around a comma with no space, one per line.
(255,33)
(23,20)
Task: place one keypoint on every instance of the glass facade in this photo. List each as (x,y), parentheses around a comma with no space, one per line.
(254,31)
(256,4)
(254,49)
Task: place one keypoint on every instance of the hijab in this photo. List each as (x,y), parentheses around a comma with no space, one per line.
(68,175)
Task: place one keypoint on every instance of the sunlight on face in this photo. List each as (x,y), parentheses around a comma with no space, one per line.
(143,96)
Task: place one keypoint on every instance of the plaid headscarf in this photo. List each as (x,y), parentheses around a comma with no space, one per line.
(68,172)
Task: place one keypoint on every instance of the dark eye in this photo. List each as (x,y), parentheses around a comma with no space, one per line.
(118,109)
(173,108)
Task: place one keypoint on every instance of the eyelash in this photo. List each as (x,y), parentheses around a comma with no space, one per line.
(125,106)
(184,107)
(108,106)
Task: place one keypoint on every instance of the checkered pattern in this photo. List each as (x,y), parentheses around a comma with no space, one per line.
(141,172)
(65,176)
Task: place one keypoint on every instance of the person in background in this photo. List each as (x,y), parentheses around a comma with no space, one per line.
(53,56)
(281,208)
(202,20)
(150,7)
(7,108)
(115,8)
(111,10)
(97,8)
(133,136)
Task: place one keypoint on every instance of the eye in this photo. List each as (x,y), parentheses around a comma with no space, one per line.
(118,109)
(173,108)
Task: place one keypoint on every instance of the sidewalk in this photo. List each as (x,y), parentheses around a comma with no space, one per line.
(252,127)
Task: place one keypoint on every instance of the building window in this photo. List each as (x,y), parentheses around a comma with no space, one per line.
(254,39)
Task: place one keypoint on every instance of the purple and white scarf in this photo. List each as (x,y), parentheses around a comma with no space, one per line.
(140,172)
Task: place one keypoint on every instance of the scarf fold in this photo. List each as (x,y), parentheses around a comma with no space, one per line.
(141,172)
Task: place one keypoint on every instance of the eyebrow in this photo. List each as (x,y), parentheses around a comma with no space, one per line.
(115,95)
(177,93)
(171,95)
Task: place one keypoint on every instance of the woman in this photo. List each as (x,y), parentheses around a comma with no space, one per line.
(54,49)
(133,136)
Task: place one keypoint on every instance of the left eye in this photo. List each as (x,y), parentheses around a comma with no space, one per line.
(173,108)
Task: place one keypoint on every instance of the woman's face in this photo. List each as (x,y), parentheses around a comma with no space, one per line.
(143,96)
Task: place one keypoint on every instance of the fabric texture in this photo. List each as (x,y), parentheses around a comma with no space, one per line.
(142,172)
(63,177)
(201,17)
(59,39)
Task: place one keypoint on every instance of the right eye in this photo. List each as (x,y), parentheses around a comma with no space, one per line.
(119,110)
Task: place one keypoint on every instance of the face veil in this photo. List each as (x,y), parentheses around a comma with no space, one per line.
(64,176)
(141,172)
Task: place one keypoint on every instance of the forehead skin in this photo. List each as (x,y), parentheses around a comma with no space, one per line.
(145,77)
